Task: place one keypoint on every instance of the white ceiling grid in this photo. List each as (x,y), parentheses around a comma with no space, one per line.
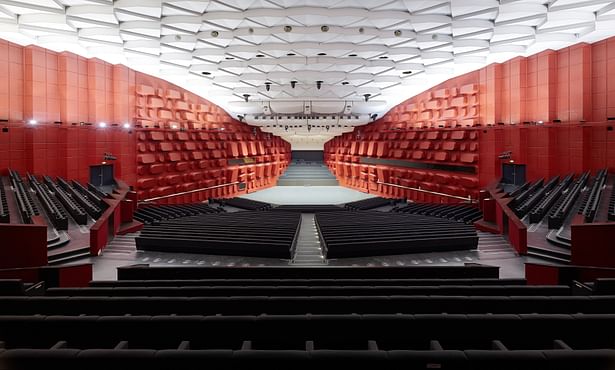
(232,50)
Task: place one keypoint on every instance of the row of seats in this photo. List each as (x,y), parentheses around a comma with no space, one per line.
(243,203)
(533,196)
(541,209)
(371,203)
(611,211)
(26,206)
(155,213)
(93,194)
(564,205)
(305,290)
(90,207)
(54,210)
(5,214)
(591,201)
(72,207)
(374,233)
(307,208)
(294,305)
(249,233)
(466,271)
(460,212)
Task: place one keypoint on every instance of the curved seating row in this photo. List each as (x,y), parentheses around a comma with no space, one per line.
(540,210)
(156,213)
(26,206)
(371,203)
(54,210)
(524,207)
(94,197)
(459,212)
(562,208)
(591,201)
(92,209)
(377,233)
(73,208)
(249,233)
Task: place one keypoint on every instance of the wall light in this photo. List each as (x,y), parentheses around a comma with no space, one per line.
(102,124)
(174,127)
(126,125)
(32,122)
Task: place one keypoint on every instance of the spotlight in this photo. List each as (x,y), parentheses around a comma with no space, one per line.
(102,124)
(327,127)
(366,96)
(293,84)
(174,127)
(126,125)
(246,96)
(374,116)
(32,122)
(240,117)
(318,84)
(286,128)
(268,86)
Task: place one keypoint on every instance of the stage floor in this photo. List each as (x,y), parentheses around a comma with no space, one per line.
(307,195)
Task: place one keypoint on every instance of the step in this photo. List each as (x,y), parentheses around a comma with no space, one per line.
(58,260)
(548,258)
(549,254)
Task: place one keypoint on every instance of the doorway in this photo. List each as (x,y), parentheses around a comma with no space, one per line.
(513,174)
(101,175)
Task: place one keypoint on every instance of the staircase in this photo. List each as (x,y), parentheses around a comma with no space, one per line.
(308,251)
(307,174)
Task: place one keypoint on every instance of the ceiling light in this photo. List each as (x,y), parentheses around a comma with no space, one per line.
(291,54)
(361,30)
(352,55)
(229,58)
(345,83)
(407,72)
(246,96)
(383,57)
(205,73)
(293,83)
(260,56)
(324,28)
(318,84)
(287,28)
(215,33)
(322,54)
(397,33)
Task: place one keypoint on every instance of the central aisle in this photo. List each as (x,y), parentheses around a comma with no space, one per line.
(307,195)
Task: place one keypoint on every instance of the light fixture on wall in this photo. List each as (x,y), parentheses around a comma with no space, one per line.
(240,117)
(366,96)
(126,125)
(32,122)
(102,125)
(374,116)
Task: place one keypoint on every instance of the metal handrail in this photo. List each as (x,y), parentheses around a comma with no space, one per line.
(187,192)
(468,198)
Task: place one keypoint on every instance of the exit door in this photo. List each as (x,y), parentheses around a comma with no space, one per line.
(513,174)
(101,175)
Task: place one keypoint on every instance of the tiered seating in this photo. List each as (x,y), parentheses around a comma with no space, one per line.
(307,208)
(562,208)
(5,214)
(591,201)
(94,190)
(250,233)
(460,212)
(243,203)
(371,203)
(524,207)
(94,197)
(520,197)
(92,209)
(541,209)
(71,206)
(377,233)
(25,204)
(611,212)
(156,213)
(54,210)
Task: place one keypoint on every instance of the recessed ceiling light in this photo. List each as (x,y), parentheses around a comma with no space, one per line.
(345,83)
(229,58)
(206,73)
(324,28)
(322,54)
(407,72)
(383,57)
(260,56)
(291,54)
(352,55)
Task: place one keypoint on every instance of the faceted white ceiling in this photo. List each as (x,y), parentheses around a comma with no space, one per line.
(295,60)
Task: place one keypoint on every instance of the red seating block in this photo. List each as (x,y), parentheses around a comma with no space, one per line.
(146,183)
(468,157)
(441,156)
(156,136)
(174,156)
(156,169)
(146,158)
(165,146)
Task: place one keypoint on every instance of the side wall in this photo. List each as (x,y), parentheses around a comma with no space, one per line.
(550,110)
(177,141)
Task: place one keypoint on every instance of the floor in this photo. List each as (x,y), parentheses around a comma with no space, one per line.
(492,250)
(307,195)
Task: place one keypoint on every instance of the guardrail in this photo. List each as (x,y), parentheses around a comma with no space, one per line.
(187,192)
(467,199)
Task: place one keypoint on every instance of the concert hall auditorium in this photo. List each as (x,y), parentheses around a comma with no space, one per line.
(406,184)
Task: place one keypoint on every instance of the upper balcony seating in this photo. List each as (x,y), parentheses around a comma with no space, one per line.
(73,208)
(563,206)
(307,208)
(591,201)
(90,207)
(457,212)
(540,209)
